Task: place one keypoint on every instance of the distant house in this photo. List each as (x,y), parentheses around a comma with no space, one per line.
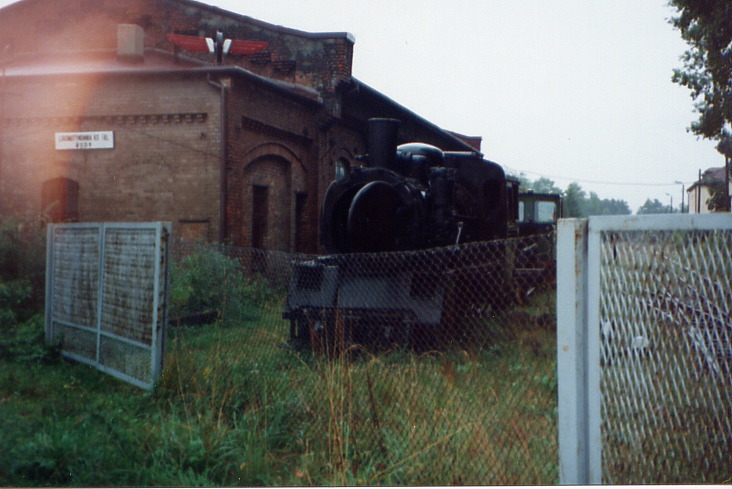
(700,191)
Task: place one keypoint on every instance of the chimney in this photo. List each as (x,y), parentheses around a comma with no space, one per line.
(130,42)
(383,136)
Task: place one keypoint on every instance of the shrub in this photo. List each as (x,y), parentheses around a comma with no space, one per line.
(22,335)
(23,256)
(13,296)
(208,283)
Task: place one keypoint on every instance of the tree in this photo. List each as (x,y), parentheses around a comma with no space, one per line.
(717,201)
(595,206)
(524,182)
(574,201)
(653,207)
(545,186)
(617,207)
(706,26)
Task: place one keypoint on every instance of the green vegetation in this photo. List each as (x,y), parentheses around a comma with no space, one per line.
(209,283)
(576,202)
(234,407)
(222,416)
(704,25)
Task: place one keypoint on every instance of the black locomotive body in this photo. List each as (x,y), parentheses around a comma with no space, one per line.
(409,197)
(413,196)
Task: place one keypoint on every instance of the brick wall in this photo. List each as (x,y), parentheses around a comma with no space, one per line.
(270,144)
(165,163)
(314,60)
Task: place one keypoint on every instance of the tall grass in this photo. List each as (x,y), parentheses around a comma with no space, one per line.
(394,418)
(222,416)
(235,408)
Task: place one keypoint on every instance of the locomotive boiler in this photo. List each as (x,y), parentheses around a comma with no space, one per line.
(406,198)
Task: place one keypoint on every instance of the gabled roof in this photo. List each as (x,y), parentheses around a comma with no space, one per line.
(710,176)
(362,102)
(268,26)
(222,13)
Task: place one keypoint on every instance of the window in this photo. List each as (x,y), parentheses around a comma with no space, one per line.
(60,199)
(545,211)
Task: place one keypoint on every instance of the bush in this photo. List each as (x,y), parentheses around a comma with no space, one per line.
(23,257)
(22,281)
(13,296)
(22,338)
(210,284)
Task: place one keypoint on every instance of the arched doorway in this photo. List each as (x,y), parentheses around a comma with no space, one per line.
(267,200)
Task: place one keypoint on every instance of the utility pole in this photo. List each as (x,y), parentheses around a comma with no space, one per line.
(725,147)
(683,188)
(698,193)
(727,201)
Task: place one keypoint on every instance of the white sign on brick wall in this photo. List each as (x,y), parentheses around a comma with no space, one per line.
(85,140)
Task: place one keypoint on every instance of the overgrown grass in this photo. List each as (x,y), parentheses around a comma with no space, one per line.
(235,408)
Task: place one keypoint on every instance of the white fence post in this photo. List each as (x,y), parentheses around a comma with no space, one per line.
(593,287)
(575,460)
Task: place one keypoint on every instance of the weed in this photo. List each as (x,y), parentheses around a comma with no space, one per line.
(234,408)
(209,284)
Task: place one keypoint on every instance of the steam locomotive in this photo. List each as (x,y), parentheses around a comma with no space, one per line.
(407,197)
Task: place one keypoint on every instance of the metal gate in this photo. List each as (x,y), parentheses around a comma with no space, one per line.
(644,319)
(106,296)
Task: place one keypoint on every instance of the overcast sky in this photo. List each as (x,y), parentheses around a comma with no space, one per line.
(573,90)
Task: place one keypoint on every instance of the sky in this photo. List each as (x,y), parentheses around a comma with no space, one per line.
(572,90)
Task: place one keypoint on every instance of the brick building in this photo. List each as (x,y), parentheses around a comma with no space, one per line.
(102,118)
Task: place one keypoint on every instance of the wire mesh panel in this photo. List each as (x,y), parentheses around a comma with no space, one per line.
(645,351)
(666,326)
(106,296)
(427,367)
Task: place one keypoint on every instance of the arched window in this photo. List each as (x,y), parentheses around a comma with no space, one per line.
(60,199)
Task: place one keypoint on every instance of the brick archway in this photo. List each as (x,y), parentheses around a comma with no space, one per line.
(272,183)
(266,203)
(275,150)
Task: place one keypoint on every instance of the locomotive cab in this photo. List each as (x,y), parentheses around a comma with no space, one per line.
(538,212)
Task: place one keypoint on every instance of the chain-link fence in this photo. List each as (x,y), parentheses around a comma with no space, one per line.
(644,349)
(427,367)
(666,353)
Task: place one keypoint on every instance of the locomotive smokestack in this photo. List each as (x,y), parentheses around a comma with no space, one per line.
(383,135)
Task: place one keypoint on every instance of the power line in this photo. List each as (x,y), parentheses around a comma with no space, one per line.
(580,180)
